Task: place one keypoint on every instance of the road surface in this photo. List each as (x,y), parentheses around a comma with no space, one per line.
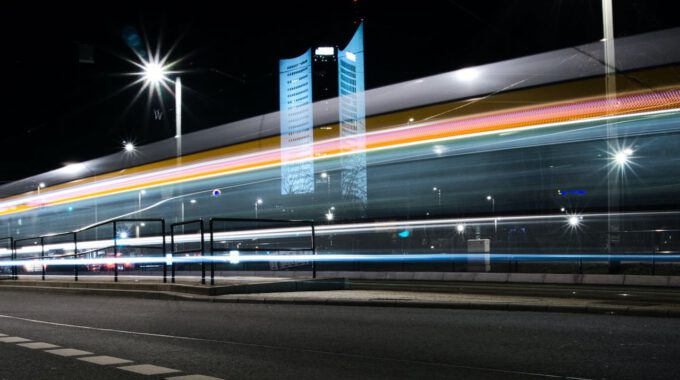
(260,341)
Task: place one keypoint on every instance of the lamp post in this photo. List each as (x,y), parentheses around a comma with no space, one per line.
(491,199)
(258,202)
(139,199)
(327,177)
(438,190)
(41,185)
(493,204)
(155,74)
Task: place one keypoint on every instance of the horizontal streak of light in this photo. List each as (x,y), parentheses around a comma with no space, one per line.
(638,104)
(331,258)
(323,230)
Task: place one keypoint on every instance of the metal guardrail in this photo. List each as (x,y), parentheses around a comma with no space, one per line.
(249,232)
(112,234)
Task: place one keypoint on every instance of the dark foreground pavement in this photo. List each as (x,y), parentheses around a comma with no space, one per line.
(237,341)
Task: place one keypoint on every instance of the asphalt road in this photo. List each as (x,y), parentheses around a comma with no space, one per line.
(239,341)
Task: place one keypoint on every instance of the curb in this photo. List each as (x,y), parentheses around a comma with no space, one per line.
(497,306)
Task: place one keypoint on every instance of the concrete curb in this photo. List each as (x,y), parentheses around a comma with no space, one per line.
(292,285)
(498,306)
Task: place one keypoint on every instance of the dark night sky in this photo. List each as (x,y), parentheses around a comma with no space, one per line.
(55,109)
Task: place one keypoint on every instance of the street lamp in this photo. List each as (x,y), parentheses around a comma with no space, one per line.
(493,204)
(155,74)
(139,199)
(129,146)
(258,202)
(438,190)
(491,199)
(327,177)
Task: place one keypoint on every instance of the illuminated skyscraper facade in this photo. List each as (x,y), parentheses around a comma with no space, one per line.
(352,108)
(297,135)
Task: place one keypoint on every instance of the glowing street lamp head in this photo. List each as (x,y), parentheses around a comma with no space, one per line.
(129,147)
(154,72)
(259,201)
(622,157)
(574,221)
(489,197)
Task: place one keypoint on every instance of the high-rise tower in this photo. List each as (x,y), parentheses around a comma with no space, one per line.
(352,106)
(297,134)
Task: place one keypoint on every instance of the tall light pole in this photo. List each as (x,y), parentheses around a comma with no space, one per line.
(493,204)
(178,116)
(327,177)
(155,75)
(491,199)
(139,199)
(438,190)
(41,185)
(258,202)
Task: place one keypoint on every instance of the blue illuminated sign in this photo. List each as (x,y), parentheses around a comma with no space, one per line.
(404,234)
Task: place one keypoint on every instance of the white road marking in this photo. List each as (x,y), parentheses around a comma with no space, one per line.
(38,345)
(3,334)
(148,369)
(305,350)
(14,339)
(104,360)
(193,377)
(69,352)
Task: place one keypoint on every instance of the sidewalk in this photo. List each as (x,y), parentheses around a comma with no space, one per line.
(615,300)
(388,298)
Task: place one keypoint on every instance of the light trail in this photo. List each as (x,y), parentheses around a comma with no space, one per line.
(304,232)
(545,116)
(334,258)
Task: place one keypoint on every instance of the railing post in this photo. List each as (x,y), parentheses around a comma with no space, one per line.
(115,252)
(42,257)
(313,251)
(75,256)
(13,253)
(165,265)
(172,254)
(202,253)
(212,253)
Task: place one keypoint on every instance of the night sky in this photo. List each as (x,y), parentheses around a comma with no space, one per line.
(57,109)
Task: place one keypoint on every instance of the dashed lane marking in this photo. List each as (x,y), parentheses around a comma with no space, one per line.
(148,369)
(104,360)
(3,334)
(38,345)
(14,339)
(193,377)
(297,349)
(69,352)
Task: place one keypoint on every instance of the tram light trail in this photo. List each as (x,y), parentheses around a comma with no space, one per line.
(539,117)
